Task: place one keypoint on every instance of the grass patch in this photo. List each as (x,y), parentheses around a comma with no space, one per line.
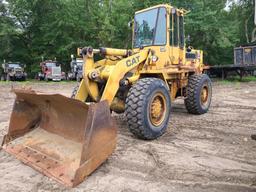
(244,79)
(36,81)
(236,79)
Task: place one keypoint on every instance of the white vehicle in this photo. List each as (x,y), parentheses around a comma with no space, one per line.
(76,66)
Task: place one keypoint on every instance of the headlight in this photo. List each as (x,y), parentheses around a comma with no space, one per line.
(154,58)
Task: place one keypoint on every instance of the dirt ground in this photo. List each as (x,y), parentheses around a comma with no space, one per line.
(211,152)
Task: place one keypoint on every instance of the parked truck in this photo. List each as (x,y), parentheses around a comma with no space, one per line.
(76,66)
(13,71)
(51,70)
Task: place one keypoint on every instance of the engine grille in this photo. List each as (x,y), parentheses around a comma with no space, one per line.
(18,72)
(56,71)
(190,56)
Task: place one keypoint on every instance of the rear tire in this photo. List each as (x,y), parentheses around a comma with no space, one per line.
(199,94)
(147,108)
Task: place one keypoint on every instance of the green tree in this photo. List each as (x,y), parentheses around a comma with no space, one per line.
(32,29)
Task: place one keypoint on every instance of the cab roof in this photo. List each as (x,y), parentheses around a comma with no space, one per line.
(167,6)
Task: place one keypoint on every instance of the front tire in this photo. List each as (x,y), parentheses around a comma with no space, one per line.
(8,78)
(147,109)
(2,78)
(199,94)
(78,79)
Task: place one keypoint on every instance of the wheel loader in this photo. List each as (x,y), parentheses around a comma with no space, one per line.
(68,138)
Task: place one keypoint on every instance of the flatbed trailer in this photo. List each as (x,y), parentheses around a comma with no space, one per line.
(244,64)
(223,71)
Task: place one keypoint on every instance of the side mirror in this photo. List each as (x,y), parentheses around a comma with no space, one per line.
(130,24)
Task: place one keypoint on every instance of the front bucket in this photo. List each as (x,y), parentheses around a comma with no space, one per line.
(63,138)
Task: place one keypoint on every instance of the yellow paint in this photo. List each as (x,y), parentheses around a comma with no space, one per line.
(116,52)
(120,69)
(82,92)
(91,86)
(171,66)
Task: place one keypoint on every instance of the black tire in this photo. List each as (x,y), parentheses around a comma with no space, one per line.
(2,78)
(8,78)
(138,108)
(196,103)
(78,79)
(74,92)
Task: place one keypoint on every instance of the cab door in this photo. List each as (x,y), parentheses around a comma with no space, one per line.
(177,43)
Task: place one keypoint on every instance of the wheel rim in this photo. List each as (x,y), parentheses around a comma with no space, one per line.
(204,95)
(157,109)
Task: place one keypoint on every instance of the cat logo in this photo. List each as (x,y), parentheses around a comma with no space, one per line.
(132,61)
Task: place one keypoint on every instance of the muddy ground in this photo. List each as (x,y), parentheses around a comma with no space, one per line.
(212,152)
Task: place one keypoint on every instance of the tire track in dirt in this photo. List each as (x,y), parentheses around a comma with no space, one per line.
(212,152)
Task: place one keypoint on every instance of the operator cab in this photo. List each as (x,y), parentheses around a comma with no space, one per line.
(161,28)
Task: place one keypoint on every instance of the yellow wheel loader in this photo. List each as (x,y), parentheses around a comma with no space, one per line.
(68,138)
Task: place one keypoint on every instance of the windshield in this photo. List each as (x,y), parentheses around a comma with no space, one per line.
(14,65)
(147,30)
(50,64)
(79,62)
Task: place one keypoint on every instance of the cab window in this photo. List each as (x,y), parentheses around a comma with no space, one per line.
(177,38)
(181,32)
(160,38)
(175,30)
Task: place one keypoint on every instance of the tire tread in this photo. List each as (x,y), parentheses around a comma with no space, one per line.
(134,108)
(191,100)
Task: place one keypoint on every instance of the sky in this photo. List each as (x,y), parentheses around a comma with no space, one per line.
(229,3)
